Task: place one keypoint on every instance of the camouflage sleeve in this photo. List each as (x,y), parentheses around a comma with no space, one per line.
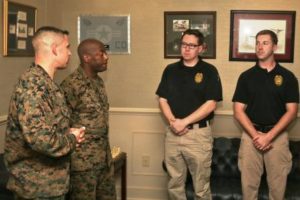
(45,125)
(69,94)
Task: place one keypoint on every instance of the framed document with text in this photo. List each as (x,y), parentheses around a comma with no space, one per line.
(112,31)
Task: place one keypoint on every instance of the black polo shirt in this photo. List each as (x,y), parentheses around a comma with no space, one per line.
(187,88)
(266,93)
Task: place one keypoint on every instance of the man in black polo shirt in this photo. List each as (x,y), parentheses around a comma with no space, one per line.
(188,95)
(265,102)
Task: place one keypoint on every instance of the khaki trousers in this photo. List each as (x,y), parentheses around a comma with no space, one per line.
(191,151)
(277,162)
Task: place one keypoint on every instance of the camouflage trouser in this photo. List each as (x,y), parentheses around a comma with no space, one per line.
(41,198)
(93,185)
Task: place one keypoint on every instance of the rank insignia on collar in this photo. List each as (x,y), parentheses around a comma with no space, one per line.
(278,79)
(198,77)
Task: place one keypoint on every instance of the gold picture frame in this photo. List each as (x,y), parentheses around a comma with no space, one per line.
(19,25)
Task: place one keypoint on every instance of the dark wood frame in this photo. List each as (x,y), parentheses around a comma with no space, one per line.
(19,25)
(202,20)
(264,20)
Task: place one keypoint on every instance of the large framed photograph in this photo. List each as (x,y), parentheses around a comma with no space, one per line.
(176,22)
(19,24)
(112,31)
(245,24)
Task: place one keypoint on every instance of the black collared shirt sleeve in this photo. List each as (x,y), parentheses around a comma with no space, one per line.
(162,90)
(292,91)
(214,87)
(241,92)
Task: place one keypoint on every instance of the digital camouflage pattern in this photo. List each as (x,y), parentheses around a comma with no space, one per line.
(37,142)
(89,104)
(85,184)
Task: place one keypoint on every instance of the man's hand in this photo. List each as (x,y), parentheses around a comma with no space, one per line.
(183,132)
(262,141)
(178,127)
(79,134)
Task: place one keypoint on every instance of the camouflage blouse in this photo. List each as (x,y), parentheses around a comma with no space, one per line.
(37,145)
(89,104)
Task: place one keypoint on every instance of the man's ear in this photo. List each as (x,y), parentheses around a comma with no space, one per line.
(275,47)
(54,49)
(86,58)
(201,48)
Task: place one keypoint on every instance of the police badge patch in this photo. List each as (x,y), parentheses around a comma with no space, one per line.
(278,79)
(198,77)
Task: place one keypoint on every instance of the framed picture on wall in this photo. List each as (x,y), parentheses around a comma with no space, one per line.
(19,24)
(176,22)
(245,24)
(113,31)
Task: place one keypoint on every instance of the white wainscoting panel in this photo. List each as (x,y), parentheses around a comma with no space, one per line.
(148,153)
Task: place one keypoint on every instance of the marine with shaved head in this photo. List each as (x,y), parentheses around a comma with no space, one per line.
(92,174)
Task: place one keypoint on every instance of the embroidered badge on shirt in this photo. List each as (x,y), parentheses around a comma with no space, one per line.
(278,79)
(198,77)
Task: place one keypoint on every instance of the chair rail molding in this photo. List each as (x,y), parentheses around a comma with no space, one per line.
(3,119)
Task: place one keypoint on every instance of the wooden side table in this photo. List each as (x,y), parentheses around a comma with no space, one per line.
(120,164)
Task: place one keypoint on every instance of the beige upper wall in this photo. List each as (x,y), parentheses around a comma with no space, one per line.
(12,67)
(131,80)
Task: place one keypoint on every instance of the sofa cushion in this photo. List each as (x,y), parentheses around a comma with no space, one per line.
(224,160)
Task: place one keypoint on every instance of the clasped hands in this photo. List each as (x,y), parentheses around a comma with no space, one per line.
(178,127)
(262,141)
(79,134)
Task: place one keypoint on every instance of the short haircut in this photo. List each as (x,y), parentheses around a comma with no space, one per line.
(45,30)
(88,46)
(50,29)
(196,33)
(270,33)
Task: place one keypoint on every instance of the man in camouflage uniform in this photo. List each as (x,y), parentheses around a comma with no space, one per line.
(92,174)
(38,140)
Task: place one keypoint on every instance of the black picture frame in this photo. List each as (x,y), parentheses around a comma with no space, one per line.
(19,25)
(244,25)
(176,22)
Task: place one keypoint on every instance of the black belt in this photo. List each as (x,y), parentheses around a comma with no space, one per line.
(201,124)
(263,128)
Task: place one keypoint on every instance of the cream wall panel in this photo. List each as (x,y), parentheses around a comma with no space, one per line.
(144,160)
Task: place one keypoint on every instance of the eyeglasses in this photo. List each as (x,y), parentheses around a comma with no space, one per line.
(190,46)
